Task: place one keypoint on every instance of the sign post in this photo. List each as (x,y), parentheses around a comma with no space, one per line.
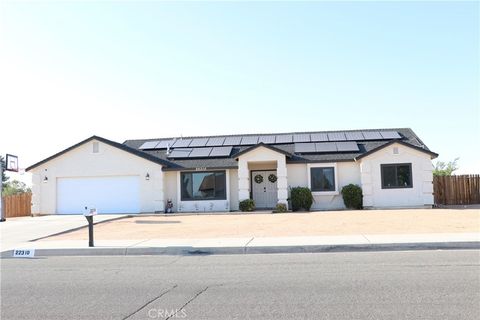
(2,206)
(89,216)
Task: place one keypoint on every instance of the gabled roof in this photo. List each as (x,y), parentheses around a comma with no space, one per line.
(114,144)
(261,144)
(365,147)
(433,155)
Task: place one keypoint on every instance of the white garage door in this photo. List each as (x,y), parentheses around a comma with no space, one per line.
(118,194)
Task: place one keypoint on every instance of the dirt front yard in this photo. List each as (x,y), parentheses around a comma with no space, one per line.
(412,221)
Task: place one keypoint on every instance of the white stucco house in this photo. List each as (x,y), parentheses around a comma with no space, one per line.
(213,173)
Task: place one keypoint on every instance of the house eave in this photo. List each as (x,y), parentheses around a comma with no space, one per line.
(258,145)
(167,169)
(106,141)
(433,155)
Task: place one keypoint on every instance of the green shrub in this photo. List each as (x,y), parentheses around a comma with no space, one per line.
(280,207)
(301,198)
(352,196)
(247,205)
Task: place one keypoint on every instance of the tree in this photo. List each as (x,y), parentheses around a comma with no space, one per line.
(4,176)
(445,168)
(15,187)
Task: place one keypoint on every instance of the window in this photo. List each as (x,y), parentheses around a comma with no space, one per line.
(322,179)
(396,175)
(203,185)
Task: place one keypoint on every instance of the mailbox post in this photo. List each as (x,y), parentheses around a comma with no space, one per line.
(89,216)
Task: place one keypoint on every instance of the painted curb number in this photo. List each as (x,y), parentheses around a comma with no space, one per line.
(23,253)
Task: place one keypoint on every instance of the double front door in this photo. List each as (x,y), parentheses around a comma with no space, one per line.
(264,188)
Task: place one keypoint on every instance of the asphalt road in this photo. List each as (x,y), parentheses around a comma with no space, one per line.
(363,285)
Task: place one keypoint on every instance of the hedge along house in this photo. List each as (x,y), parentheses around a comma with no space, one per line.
(202,174)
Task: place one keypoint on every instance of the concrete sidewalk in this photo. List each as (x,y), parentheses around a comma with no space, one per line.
(254,245)
(245,233)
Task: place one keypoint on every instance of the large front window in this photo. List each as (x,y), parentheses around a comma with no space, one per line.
(322,179)
(396,175)
(203,185)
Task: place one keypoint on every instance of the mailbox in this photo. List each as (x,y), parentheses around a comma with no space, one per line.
(89,213)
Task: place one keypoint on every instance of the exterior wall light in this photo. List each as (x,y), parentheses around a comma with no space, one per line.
(147,177)
(45,179)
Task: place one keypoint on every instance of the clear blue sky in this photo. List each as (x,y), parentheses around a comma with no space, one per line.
(151,69)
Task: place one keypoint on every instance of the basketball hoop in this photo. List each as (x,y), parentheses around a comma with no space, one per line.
(11,163)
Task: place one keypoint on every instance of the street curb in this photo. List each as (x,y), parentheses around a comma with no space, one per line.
(186,250)
(365,247)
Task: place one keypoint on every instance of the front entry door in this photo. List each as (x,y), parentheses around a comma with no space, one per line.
(264,191)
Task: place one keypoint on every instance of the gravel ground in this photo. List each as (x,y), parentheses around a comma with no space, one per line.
(286,224)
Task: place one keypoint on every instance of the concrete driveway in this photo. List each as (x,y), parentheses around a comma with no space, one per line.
(19,230)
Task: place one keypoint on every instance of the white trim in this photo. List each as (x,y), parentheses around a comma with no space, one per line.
(179,196)
(323,165)
(227,188)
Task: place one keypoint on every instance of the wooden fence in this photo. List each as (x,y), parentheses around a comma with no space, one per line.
(18,205)
(455,190)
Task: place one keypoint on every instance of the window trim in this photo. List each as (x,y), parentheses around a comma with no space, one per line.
(181,173)
(395,165)
(335,178)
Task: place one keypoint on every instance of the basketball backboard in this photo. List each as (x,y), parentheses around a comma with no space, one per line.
(11,163)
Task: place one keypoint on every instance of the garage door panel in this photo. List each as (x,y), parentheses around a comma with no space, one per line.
(118,194)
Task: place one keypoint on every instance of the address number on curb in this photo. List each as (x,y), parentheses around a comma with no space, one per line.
(23,253)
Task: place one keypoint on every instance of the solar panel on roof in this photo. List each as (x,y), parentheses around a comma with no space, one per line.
(372,135)
(390,134)
(198,142)
(347,146)
(249,140)
(217,141)
(221,151)
(325,147)
(354,136)
(200,152)
(318,137)
(232,141)
(304,147)
(303,137)
(266,139)
(180,153)
(284,138)
(336,136)
(181,143)
(149,145)
(163,144)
